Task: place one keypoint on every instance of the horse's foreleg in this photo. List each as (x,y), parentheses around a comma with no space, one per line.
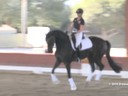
(70,79)
(54,78)
(72,84)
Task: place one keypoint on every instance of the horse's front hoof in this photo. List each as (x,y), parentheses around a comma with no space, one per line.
(72,84)
(54,78)
(46,51)
(74,88)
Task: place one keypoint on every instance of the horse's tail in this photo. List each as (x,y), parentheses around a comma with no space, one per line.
(113,64)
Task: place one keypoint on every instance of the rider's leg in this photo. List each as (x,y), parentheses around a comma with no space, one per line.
(78,37)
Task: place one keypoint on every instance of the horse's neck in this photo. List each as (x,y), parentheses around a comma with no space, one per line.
(62,42)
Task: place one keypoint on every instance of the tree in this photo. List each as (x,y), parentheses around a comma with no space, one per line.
(48,12)
(103,15)
(40,13)
(104,18)
(10,12)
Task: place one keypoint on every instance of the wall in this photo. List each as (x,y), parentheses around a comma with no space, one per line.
(47,60)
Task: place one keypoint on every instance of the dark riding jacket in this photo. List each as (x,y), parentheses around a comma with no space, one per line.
(77,23)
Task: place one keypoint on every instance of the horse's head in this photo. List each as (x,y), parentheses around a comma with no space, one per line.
(50,39)
(58,37)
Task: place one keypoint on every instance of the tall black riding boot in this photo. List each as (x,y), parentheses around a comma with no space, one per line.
(77,53)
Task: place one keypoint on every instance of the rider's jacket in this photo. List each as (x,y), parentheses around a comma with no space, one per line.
(77,23)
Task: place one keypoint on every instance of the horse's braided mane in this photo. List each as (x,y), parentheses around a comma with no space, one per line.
(59,33)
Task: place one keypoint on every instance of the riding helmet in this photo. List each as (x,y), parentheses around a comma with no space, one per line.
(79,10)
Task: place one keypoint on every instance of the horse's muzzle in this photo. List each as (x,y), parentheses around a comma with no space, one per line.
(48,51)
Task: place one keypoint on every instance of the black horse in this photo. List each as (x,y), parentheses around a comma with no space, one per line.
(64,53)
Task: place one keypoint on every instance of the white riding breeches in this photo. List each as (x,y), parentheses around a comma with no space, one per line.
(78,37)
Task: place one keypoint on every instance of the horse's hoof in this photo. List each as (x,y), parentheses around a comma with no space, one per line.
(72,84)
(54,78)
(88,80)
(74,88)
(97,79)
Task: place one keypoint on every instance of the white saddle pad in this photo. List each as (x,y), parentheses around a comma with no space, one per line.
(86,44)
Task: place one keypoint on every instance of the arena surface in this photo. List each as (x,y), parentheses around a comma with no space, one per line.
(28,84)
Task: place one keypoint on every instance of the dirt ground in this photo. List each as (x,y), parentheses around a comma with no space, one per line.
(28,84)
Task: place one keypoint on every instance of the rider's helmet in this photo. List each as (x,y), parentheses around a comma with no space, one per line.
(79,10)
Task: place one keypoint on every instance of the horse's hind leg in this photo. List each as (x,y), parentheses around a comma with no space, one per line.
(54,78)
(101,67)
(90,75)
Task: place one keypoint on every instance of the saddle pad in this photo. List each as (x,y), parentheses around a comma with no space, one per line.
(86,44)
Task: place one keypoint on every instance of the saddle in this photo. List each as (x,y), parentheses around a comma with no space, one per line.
(86,43)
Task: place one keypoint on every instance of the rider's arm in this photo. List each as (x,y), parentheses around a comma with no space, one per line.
(82,28)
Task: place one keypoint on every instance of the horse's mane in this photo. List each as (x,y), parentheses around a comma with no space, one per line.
(58,34)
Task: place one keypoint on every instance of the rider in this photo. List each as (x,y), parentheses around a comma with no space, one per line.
(78,27)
